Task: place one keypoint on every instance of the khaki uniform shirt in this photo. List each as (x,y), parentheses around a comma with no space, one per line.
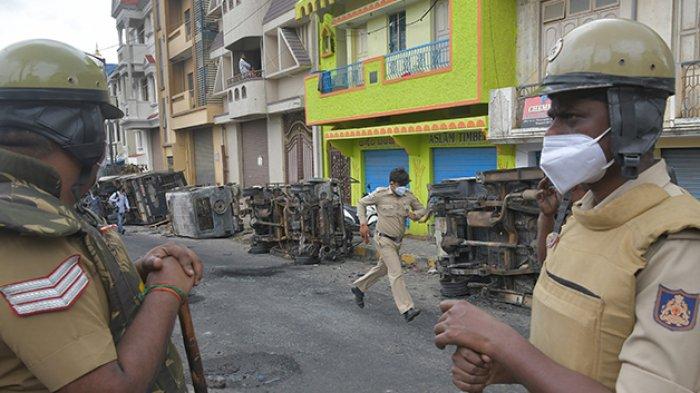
(392,210)
(45,351)
(655,358)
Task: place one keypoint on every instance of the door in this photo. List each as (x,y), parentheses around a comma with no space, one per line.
(685,164)
(456,162)
(378,165)
(254,147)
(441,21)
(204,157)
(299,153)
(340,170)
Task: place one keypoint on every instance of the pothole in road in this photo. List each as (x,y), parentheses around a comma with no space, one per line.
(249,370)
(244,272)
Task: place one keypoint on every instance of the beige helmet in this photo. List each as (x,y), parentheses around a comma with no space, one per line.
(59,92)
(634,66)
(606,53)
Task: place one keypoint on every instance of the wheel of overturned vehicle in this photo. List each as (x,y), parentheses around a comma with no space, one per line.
(452,287)
(258,249)
(301,260)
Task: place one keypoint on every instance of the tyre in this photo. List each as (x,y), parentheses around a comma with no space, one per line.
(305,260)
(454,286)
(258,249)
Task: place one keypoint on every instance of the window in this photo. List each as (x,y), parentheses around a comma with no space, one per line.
(553,11)
(190,81)
(244,92)
(236,94)
(605,3)
(141,35)
(144,90)
(579,6)
(361,35)
(397,32)
(188,28)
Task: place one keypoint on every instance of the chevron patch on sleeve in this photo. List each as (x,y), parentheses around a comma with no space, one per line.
(55,292)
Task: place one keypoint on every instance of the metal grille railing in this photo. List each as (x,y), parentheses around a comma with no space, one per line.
(419,59)
(352,75)
(690,81)
(252,74)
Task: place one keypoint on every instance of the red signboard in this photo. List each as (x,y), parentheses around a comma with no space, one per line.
(535,112)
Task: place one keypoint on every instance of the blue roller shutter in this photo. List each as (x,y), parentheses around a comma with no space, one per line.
(686,165)
(378,165)
(455,162)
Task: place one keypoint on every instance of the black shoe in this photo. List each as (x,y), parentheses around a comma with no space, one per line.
(411,314)
(359,297)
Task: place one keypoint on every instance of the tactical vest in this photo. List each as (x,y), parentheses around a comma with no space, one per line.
(584,301)
(30,210)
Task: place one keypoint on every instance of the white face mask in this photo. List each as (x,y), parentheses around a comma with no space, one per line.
(573,159)
(400,190)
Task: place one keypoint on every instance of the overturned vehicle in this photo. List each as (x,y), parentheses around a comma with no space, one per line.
(205,212)
(315,222)
(486,233)
(146,194)
(304,221)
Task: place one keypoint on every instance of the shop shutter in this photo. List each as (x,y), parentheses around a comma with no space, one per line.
(456,162)
(256,170)
(685,163)
(378,165)
(204,157)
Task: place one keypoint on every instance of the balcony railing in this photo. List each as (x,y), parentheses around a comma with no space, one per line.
(236,79)
(424,58)
(690,82)
(347,77)
(183,101)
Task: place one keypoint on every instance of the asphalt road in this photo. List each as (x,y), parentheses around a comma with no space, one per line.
(266,325)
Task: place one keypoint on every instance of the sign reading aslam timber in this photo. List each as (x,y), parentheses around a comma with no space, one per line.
(457,138)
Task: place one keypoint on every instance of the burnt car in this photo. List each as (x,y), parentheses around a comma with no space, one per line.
(486,233)
(265,206)
(315,222)
(205,212)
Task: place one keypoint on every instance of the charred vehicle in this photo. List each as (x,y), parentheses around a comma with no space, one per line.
(265,206)
(315,222)
(486,233)
(146,194)
(205,212)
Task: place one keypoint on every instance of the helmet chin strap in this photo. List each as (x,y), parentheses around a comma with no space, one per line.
(83,180)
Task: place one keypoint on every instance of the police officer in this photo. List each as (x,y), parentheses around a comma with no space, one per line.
(394,204)
(76,314)
(615,306)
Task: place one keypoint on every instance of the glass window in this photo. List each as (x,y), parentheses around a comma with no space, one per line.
(578,6)
(553,11)
(605,3)
(397,32)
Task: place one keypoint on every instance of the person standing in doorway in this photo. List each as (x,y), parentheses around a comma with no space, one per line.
(121,203)
(244,67)
(394,204)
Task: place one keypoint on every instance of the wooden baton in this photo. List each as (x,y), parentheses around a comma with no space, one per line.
(192,349)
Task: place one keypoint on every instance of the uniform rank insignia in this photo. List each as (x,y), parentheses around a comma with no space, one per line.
(55,292)
(676,309)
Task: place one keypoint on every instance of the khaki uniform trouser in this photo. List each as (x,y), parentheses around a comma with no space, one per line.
(389,264)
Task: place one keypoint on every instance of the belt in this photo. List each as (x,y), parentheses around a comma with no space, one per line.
(392,238)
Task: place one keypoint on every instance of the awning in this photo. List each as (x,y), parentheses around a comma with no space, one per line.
(426,127)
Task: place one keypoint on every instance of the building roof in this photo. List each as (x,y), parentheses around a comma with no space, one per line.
(277,8)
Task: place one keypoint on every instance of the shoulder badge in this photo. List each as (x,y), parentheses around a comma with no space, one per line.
(676,309)
(55,292)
